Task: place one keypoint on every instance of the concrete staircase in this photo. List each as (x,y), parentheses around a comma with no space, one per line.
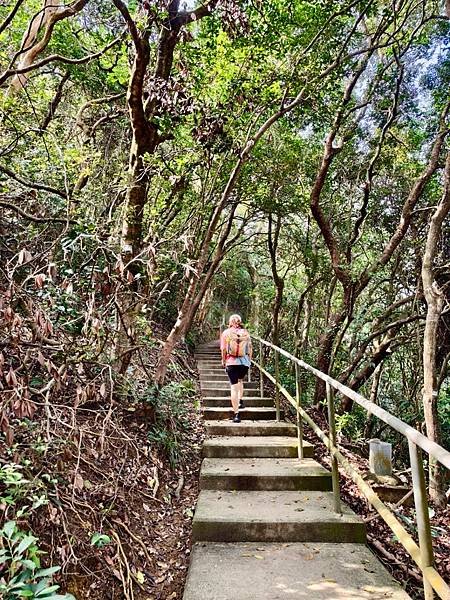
(264,527)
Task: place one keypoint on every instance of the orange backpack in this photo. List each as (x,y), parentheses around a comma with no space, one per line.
(237,343)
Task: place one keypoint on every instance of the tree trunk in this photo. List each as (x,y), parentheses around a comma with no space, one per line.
(197,288)
(276,308)
(272,241)
(306,324)
(370,421)
(325,343)
(45,20)
(136,199)
(378,356)
(435,303)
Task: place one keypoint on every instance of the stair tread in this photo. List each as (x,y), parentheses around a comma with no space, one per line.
(262,424)
(262,402)
(225,385)
(246,409)
(263,506)
(274,571)
(227,399)
(263,467)
(254,440)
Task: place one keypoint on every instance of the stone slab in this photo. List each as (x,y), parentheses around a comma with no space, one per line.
(225,384)
(269,516)
(250,413)
(224,392)
(263,474)
(206,361)
(218,372)
(299,571)
(254,447)
(244,428)
(268,402)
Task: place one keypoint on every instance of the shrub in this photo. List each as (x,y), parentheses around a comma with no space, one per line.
(21,575)
(171,404)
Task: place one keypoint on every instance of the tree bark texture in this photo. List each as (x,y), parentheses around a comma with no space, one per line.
(272,241)
(46,19)
(435,303)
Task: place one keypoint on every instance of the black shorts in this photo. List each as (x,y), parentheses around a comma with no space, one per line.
(236,372)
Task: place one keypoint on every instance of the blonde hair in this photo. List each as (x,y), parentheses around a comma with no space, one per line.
(235,321)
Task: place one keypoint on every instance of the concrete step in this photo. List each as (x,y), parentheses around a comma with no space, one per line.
(253,401)
(297,571)
(252,428)
(220,378)
(253,414)
(226,398)
(213,374)
(206,360)
(209,384)
(266,516)
(263,474)
(255,447)
(223,392)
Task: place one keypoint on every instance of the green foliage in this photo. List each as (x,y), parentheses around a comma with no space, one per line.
(351,424)
(21,575)
(99,540)
(22,494)
(444,415)
(172,405)
(70,129)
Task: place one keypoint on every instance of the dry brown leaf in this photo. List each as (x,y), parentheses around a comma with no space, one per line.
(78,482)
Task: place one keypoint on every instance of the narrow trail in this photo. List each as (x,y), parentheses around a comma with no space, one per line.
(264,527)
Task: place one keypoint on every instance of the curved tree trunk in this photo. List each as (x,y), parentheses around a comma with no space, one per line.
(435,303)
(272,242)
(45,20)
(325,344)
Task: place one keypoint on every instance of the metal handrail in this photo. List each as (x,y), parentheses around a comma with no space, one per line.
(422,554)
(433,449)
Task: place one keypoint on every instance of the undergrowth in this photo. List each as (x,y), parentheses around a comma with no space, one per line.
(171,405)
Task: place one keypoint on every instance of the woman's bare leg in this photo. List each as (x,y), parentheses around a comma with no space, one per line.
(240,385)
(235,397)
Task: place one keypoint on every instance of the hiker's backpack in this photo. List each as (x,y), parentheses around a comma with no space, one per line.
(237,343)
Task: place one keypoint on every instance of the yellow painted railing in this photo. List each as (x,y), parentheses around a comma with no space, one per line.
(422,554)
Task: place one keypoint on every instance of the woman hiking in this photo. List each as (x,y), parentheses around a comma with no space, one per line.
(236,348)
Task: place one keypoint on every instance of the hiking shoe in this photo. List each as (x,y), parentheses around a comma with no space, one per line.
(241,404)
(236,418)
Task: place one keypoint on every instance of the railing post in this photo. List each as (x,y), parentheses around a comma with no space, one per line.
(298,397)
(334,462)
(422,516)
(277,381)
(261,362)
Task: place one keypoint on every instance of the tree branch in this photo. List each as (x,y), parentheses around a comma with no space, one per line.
(56,58)
(11,15)
(26,215)
(32,184)
(54,103)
